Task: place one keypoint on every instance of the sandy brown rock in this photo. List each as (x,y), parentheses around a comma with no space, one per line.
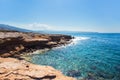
(14,42)
(13,69)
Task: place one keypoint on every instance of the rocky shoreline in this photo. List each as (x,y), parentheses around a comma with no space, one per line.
(13,67)
(15,43)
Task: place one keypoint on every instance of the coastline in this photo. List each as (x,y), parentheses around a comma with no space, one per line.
(16,43)
(13,44)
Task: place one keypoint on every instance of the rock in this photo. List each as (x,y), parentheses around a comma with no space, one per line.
(117,68)
(74,73)
(60,37)
(90,77)
(14,69)
(15,42)
(105,75)
(12,44)
(52,43)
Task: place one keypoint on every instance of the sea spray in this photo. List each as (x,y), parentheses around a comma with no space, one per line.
(77,39)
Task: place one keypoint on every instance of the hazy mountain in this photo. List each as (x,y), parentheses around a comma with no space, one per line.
(5,27)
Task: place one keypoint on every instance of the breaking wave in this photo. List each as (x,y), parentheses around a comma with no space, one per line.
(77,39)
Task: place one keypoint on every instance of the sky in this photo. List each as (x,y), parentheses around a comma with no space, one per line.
(62,15)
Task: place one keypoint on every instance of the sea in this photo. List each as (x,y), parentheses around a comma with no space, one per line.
(90,56)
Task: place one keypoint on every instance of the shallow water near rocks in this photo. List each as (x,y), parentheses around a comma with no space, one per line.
(91,56)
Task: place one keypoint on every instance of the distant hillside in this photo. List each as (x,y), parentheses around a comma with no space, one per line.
(4,27)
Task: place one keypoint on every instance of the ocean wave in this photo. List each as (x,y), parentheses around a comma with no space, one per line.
(81,38)
(73,42)
(76,39)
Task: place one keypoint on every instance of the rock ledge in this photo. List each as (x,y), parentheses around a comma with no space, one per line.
(13,69)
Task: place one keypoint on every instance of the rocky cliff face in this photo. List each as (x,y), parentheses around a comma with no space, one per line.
(14,42)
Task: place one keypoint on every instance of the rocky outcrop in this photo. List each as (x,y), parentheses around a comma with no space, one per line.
(13,69)
(12,43)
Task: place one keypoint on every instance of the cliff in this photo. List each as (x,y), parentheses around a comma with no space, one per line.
(12,44)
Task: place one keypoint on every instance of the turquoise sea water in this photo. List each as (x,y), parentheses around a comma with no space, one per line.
(91,56)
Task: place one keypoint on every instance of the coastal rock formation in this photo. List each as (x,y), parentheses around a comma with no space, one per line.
(12,43)
(13,69)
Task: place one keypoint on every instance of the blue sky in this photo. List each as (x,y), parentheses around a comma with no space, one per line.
(70,15)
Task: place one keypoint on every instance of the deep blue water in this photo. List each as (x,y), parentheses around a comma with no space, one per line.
(91,56)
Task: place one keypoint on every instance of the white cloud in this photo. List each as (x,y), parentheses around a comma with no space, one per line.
(87,28)
(39,26)
(35,26)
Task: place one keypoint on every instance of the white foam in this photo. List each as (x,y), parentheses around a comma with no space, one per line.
(76,39)
(80,38)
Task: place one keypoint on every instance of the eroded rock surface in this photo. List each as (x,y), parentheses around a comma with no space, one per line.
(13,69)
(14,42)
